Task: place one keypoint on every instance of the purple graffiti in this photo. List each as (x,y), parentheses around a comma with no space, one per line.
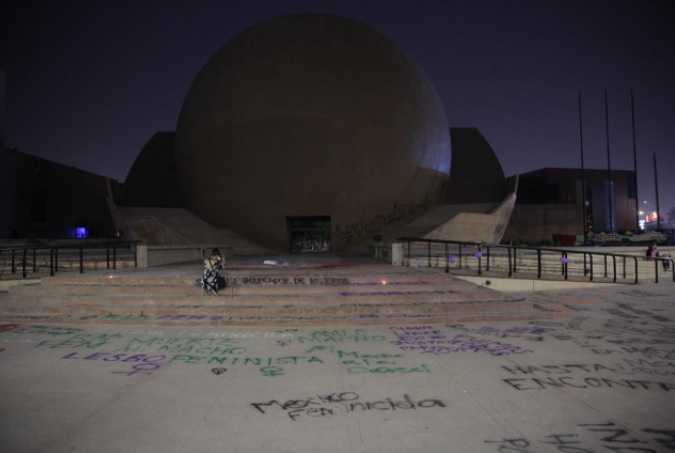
(429,340)
(142,363)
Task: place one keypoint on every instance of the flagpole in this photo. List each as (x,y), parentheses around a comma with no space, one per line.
(635,171)
(583,178)
(656,189)
(609,170)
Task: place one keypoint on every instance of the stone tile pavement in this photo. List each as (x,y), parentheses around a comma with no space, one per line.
(601,379)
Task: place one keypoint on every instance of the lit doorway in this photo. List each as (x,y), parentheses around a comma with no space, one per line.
(309,234)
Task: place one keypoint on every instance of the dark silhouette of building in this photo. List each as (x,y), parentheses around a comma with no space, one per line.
(550,202)
(40,198)
(309,132)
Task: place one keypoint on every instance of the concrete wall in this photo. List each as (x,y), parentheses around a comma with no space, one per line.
(151,256)
(534,224)
(550,202)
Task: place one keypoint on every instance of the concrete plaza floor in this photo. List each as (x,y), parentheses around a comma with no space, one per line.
(600,379)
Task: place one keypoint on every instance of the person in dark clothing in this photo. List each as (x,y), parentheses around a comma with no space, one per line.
(210,278)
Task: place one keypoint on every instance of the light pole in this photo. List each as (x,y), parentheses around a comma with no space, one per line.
(656,189)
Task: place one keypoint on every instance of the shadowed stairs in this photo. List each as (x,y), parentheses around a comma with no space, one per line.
(312,291)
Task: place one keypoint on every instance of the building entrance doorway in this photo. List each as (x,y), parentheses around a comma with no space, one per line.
(309,234)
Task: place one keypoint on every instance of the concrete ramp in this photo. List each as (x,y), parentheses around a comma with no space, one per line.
(178,226)
(440,215)
(481,222)
(487,227)
(478,201)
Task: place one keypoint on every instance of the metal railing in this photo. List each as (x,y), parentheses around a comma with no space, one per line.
(544,262)
(26,256)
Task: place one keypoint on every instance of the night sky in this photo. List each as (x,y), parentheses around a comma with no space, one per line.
(89,82)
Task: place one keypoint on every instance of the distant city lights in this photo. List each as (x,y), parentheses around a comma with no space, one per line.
(645,218)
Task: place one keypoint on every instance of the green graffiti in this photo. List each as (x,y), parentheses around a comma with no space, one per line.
(209,346)
(358,363)
(387,370)
(53,331)
(112,315)
(339,336)
(86,341)
(272,371)
(269,366)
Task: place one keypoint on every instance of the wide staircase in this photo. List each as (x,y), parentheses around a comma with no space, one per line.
(299,290)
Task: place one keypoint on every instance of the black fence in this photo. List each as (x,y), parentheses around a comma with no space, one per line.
(26,257)
(558,263)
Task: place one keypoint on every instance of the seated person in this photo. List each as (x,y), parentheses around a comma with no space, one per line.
(211,279)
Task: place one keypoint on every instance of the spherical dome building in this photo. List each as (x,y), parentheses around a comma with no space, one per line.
(311,117)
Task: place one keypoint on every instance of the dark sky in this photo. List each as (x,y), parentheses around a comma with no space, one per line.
(89,82)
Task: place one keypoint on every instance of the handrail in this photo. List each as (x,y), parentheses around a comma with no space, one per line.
(590,258)
(662,260)
(80,247)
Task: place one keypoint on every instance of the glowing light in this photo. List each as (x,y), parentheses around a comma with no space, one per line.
(653,217)
(563,259)
(479,254)
(384,281)
(452,260)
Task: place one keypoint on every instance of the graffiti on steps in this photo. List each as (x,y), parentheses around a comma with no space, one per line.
(286,281)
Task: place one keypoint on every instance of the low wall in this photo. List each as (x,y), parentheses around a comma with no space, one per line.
(389,253)
(160,255)
(524,285)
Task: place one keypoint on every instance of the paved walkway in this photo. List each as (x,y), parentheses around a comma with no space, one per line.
(599,380)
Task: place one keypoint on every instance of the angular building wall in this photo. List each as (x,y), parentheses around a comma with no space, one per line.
(152,180)
(550,203)
(14,193)
(44,199)
(476,175)
(2,109)
(478,202)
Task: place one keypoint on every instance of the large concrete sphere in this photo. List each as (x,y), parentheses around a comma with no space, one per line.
(311,115)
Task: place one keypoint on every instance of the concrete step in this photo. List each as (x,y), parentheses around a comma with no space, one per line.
(325,294)
(222,306)
(432,289)
(172,288)
(187,287)
(251,279)
(113,315)
(420,299)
